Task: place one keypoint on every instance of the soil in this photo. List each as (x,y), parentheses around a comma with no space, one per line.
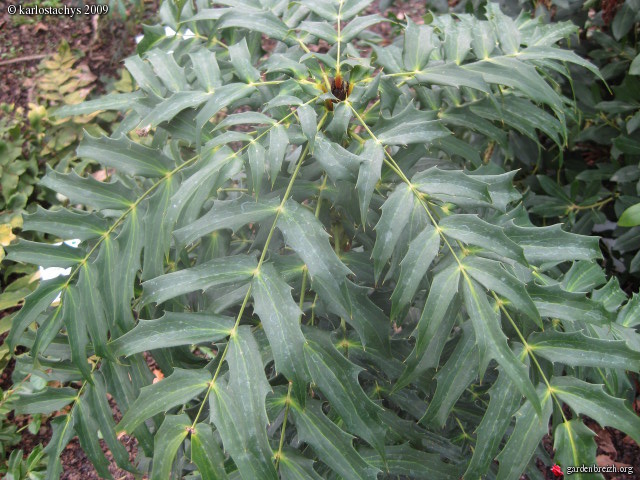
(24,41)
(105,42)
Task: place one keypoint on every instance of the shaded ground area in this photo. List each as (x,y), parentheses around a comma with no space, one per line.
(25,41)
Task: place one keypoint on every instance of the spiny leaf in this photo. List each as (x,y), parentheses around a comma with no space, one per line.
(171,330)
(125,155)
(492,342)
(589,399)
(332,445)
(530,427)
(65,223)
(170,435)
(206,453)
(337,378)
(177,389)
(218,271)
(422,250)
(280,317)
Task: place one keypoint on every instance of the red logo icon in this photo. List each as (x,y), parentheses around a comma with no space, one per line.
(556,470)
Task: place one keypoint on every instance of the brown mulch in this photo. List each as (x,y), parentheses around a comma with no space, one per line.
(104,41)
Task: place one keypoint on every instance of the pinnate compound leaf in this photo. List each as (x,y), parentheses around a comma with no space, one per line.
(169,437)
(218,271)
(332,445)
(530,427)
(171,330)
(177,389)
(591,400)
(206,453)
(574,445)
(492,342)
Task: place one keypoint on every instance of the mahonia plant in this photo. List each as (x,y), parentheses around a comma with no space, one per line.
(297,244)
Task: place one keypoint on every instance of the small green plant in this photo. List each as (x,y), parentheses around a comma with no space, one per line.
(327,292)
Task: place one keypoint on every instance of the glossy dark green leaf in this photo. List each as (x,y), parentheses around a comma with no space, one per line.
(280,317)
(403,460)
(332,445)
(493,276)
(206,453)
(177,389)
(368,175)
(495,421)
(101,410)
(453,379)
(254,20)
(395,215)
(574,445)
(409,126)
(577,349)
(589,399)
(171,330)
(472,230)
(65,223)
(86,427)
(552,244)
(492,342)
(419,42)
(452,186)
(306,236)
(88,191)
(44,254)
(337,378)
(125,155)
(442,293)
(170,435)
(34,305)
(530,427)
(553,302)
(421,253)
(76,330)
(231,214)
(218,271)
(45,401)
